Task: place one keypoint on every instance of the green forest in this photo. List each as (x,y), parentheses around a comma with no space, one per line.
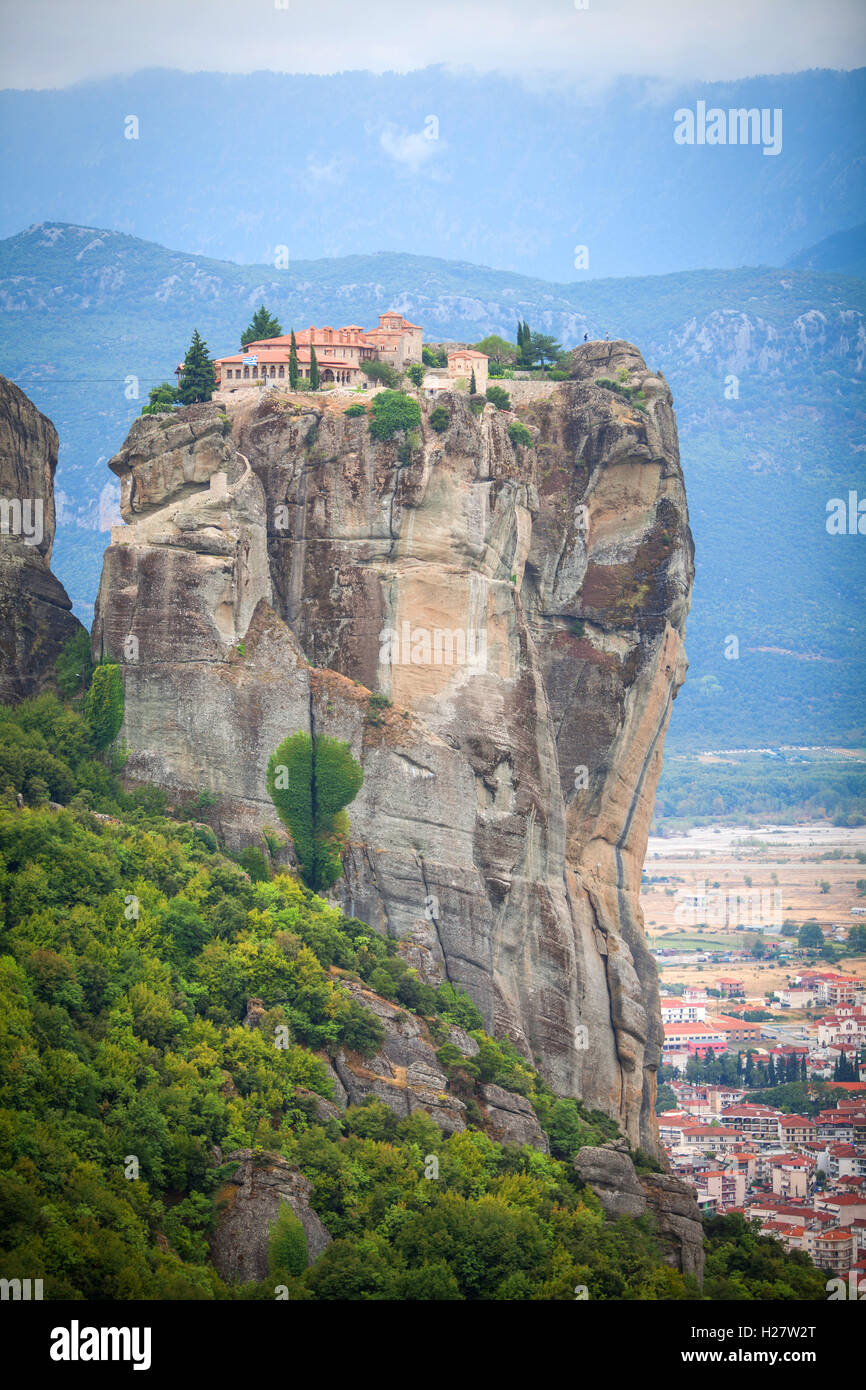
(131,944)
(774,787)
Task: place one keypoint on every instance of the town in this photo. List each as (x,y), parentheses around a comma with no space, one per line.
(802,1177)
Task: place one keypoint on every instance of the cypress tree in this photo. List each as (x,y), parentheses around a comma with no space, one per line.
(293,363)
(198,380)
(314,369)
(473,388)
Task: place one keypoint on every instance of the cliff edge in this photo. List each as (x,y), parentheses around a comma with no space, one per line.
(35,612)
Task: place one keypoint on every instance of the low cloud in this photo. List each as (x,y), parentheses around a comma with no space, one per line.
(411,148)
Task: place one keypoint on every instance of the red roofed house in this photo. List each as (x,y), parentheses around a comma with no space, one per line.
(695,1038)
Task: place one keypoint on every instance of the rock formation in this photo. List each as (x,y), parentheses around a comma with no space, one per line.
(521,606)
(250,1204)
(622,1191)
(35,612)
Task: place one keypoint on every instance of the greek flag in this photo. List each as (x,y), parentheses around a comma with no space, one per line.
(251,360)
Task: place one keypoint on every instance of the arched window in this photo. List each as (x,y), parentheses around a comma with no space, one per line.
(246,371)
(256,371)
(281,372)
(273,371)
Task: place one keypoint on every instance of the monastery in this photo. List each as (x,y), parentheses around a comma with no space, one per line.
(340,353)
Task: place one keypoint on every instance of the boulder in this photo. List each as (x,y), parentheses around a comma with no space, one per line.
(611,1174)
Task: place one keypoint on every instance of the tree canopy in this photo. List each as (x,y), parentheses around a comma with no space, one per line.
(197,378)
(311,781)
(262,325)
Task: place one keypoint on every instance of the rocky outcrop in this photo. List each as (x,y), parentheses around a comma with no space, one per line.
(405,1073)
(611,1174)
(522,607)
(247,1208)
(512,1119)
(35,611)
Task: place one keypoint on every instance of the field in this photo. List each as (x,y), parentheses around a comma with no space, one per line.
(771,875)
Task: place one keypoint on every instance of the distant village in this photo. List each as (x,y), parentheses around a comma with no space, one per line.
(803,1178)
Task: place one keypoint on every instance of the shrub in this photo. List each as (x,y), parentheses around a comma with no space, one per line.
(287,1245)
(255,864)
(104,705)
(476,405)
(355,410)
(519,435)
(393,411)
(415,373)
(439,419)
(381,372)
(74,665)
(375,705)
(499,397)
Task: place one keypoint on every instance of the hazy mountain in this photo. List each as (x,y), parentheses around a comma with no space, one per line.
(89,317)
(844,252)
(236,166)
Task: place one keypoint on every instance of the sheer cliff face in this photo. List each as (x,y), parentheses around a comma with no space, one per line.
(523,609)
(35,612)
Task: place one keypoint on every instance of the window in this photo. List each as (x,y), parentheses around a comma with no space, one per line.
(229,374)
(246,371)
(256,371)
(282,371)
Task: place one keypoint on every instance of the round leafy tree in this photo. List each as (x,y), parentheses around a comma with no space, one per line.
(393,411)
(311,781)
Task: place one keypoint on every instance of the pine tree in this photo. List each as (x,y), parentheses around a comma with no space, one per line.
(314,369)
(197,380)
(263,325)
(293,363)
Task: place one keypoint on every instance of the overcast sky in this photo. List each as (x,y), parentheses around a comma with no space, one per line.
(50,43)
